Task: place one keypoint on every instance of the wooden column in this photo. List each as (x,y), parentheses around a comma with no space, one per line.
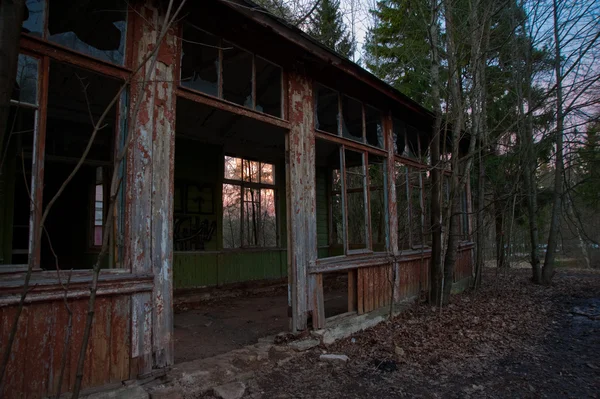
(301,195)
(392,214)
(149,193)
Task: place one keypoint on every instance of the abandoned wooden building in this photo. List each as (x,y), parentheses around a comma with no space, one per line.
(258,157)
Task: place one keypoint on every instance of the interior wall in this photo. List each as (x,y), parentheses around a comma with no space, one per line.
(199,162)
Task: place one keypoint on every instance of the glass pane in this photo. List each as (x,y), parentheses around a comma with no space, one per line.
(337,220)
(377,202)
(251,222)
(250,171)
(96,28)
(355,197)
(402,206)
(426,208)
(327,110)
(399,133)
(268,218)
(352,122)
(417,210)
(98,236)
(193,199)
(71,91)
(233,168)
(15,184)
(98,213)
(237,75)
(412,142)
(26,83)
(337,209)
(374,127)
(200,61)
(231,216)
(33,20)
(268,87)
(267,173)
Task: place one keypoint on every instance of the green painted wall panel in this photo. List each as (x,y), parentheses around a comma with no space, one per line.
(194,269)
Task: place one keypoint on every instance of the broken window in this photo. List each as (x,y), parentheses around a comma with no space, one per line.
(373,127)
(412,143)
(34,18)
(377,182)
(249,204)
(399,132)
(417,207)
(16,165)
(200,60)
(26,84)
(237,75)
(76,100)
(15,186)
(355,190)
(352,119)
(330,216)
(215,67)
(96,28)
(327,110)
(268,87)
(402,205)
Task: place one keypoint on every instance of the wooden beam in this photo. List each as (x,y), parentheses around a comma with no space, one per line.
(301,194)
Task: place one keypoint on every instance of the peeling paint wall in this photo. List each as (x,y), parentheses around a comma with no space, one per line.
(149,216)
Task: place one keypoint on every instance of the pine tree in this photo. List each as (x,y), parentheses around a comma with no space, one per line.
(397,47)
(327,26)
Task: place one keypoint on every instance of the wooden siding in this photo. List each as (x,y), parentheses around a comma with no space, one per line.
(198,269)
(374,287)
(34,367)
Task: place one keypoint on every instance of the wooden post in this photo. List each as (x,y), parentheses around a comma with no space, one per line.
(149,194)
(301,196)
(392,214)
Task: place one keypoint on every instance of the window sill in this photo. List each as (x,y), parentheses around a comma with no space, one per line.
(217,102)
(351,261)
(231,251)
(46,285)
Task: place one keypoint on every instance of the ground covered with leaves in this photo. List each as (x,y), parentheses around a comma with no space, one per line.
(508,339)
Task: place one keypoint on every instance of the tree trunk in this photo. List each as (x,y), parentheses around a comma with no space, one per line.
(530,159)
(435,288)
(548,269)
(499,218)
(456,112)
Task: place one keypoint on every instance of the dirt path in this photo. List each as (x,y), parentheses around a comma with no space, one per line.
(509,340)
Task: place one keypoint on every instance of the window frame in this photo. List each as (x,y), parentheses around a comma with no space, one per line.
(340,121)
(221,46)
(242,184)
(343,193)
(36,169)
(105,194)
(127,44)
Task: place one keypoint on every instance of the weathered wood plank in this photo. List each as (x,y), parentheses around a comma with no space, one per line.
(300,187)
(141,333)
(120,341)
(163,162)
(317,300)
(360,290)
(99,362)
(15,372)
(37,355)
(57,348)
(352,297)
